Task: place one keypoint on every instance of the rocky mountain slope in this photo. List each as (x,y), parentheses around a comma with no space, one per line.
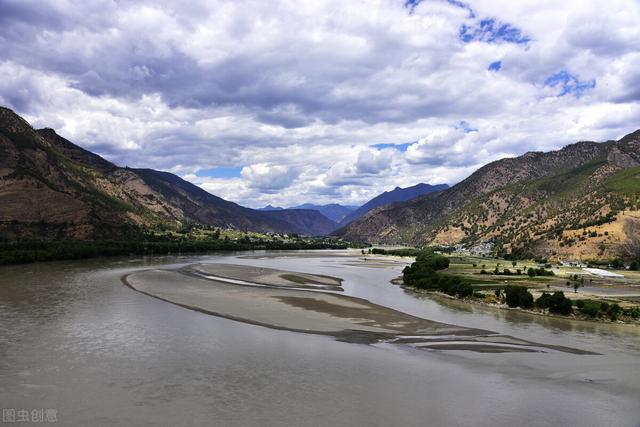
(396,195)
(52,189)
(581,201)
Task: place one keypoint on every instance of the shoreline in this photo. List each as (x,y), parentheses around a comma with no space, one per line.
(503,307)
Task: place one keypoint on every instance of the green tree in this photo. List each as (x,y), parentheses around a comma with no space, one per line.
(559,304)
(518,296)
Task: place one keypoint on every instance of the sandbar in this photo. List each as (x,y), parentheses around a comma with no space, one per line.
(311,311)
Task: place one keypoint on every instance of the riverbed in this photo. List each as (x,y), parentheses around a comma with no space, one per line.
(74,338)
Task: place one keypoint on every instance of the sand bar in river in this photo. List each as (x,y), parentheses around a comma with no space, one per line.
(311,311)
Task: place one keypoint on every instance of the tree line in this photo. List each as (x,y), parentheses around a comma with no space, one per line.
(33,251)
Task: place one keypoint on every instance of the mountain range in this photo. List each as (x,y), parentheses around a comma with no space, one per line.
(343,215)
(333,211)
(581,201)
(396,195)
(51,188)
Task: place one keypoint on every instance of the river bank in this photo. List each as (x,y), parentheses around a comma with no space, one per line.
(421,293)
(28,252)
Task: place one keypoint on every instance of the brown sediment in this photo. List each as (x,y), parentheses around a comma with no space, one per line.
(346,318)
(373,315)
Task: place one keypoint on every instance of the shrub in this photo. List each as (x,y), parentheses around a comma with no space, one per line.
(464,290)
(633,312)
(532,272)
(518,296)
(591,308)
(556,303)
(543,301)
(617,263)
(614,311)
(559,304)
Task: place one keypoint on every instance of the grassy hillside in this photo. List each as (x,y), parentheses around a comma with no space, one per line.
(626,182)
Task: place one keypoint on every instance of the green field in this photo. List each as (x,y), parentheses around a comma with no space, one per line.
(626,181)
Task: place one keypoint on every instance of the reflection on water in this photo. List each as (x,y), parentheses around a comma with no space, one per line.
(72,337)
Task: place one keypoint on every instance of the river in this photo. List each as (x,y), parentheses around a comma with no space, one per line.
(75,340)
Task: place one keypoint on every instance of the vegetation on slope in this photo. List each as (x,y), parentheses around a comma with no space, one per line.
(627,182)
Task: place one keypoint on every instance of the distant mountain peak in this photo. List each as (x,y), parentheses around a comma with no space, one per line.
(396,195)
(270,208)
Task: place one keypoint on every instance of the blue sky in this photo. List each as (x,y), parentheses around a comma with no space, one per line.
(568,83)
(400,147)
(221,172)
(288,102)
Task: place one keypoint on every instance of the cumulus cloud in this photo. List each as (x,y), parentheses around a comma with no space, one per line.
(306,97)
(372,161)
(267,178)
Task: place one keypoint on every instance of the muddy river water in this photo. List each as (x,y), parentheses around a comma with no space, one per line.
(75,340)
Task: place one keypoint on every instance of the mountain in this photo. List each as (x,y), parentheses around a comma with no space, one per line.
(396,195)
(309,220)
(581,201)
(52,189)
(333,211)
(270,208)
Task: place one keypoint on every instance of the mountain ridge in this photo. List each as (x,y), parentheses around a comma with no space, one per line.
(396,195)
(51,188)
(527,204)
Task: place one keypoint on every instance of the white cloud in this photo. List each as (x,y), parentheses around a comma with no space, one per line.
(299,93)
(373,161)
(268,178)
